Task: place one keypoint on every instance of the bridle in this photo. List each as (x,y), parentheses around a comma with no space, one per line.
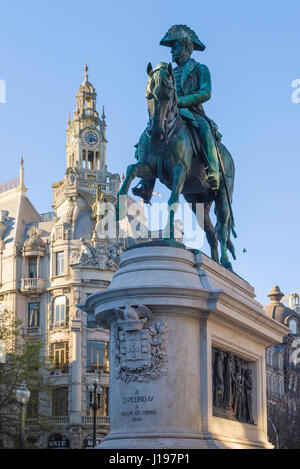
(171,124)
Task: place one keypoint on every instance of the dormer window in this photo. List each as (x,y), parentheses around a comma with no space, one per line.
(294,300)
(293,326)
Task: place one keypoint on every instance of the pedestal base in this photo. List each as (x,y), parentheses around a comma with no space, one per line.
(186,336)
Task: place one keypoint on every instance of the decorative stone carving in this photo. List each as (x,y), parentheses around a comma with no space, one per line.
(86,255)
(140,353)
(34,242)
(114,254)
(98,212)
(232,386)
(61,230)
(101,255)
(71,176)
(4,224)
(59,233)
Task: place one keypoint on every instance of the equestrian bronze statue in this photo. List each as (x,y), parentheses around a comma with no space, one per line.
(182,147)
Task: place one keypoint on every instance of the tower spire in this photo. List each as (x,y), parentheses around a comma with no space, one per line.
(22,171)
(86,68)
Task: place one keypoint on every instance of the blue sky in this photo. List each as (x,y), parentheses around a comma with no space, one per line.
(252,51)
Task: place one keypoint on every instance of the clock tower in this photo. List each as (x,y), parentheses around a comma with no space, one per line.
(86,169)
(86,139)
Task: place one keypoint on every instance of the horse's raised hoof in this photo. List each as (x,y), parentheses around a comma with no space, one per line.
(139,191)
(227,264)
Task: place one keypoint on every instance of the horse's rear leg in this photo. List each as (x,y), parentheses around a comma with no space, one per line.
(208,227)
(210,232)
(222,228)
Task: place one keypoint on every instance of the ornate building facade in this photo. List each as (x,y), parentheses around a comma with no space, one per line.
(283,369)
(51,262)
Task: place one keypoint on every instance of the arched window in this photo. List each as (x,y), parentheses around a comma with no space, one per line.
(60,312)
(293,326)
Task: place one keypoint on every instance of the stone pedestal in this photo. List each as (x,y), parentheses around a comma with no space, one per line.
(170,312)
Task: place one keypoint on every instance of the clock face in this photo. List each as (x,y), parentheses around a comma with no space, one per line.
(91,138)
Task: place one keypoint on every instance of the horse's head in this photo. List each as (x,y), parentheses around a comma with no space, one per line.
(161,98)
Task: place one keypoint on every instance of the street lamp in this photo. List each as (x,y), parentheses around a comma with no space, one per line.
(95,391)
(23,395)
(276,433)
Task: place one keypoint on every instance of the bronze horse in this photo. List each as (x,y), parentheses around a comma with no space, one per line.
(166,151)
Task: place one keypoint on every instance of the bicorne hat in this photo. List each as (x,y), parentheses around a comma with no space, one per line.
(181,31)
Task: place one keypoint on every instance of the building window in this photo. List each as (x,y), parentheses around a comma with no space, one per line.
(60,263)
(32,267)
(60,355)
(84,159)
(97,356)
(58,441)
(33,314)
(60,312)
(60,402)
(90,161)
(33,405)
(293,326)
(97,160)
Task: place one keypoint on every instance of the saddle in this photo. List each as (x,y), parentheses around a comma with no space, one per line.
(192,127)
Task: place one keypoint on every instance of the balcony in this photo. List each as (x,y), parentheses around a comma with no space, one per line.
(60,420)
(33,286)
(59,325)
(33,331)
(60,368)
(101,420)
(92,368)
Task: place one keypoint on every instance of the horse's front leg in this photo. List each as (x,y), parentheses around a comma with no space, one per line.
(178,180)
(131,173)
(134,170)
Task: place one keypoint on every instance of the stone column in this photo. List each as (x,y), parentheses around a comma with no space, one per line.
(168,312)
(76,374)
(38,267)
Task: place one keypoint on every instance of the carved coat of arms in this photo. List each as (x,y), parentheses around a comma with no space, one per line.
(140,352)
